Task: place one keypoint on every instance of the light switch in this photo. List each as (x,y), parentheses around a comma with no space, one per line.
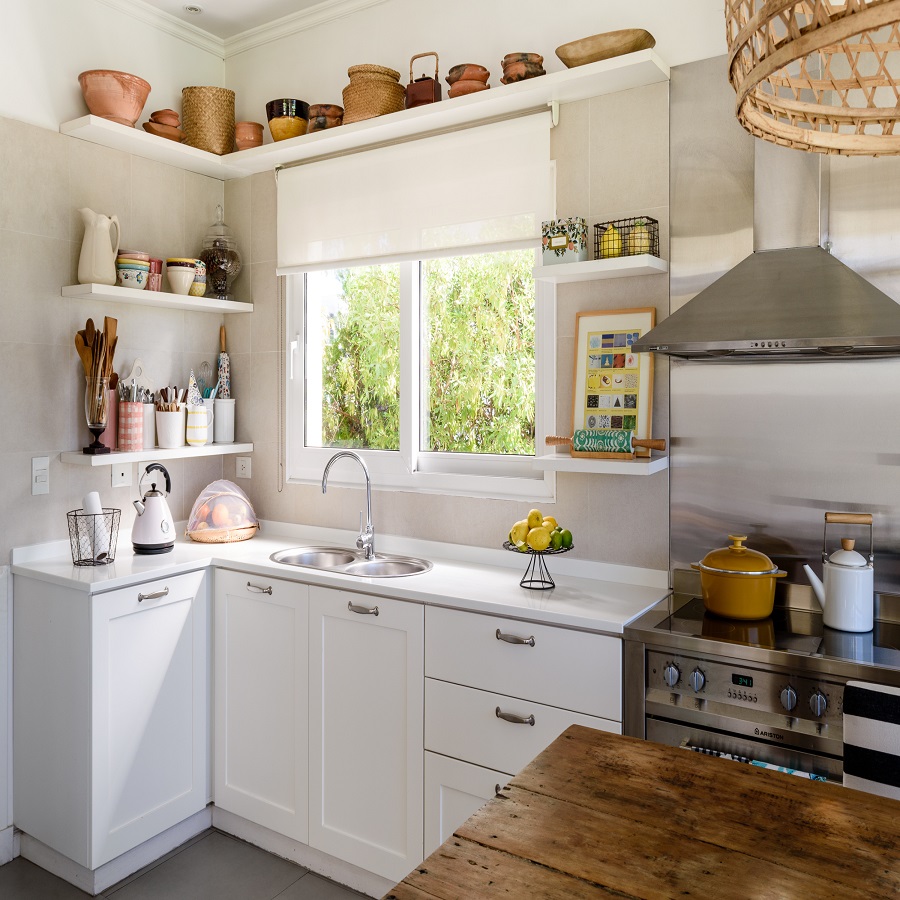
(242,466)
(40,474)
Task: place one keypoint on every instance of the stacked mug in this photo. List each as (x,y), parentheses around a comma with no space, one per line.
(183,272)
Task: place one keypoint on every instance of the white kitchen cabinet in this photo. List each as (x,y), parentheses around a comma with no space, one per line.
(453,791)
(261,701)
(366,723)
(110,713)
(497,692)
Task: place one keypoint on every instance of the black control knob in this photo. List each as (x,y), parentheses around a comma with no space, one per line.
(788,698)
(671,674)
(818,703)
(697,680)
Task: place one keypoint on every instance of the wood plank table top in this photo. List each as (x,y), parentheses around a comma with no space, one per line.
(598,814)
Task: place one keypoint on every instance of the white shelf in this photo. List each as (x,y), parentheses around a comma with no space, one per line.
(154,299)
(605,77)
(77,458)
(641,465)
(595,269)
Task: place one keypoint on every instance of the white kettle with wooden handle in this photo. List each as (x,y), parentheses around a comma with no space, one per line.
(847,588)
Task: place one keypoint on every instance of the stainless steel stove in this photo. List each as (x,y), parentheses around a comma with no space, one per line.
(768,691)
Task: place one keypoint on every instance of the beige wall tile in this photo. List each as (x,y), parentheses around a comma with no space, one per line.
(157,222)
(259,406)
(570,147)
(201,196)
(34,180)
(99,179)
(238,210)
(264,333)
(262,221)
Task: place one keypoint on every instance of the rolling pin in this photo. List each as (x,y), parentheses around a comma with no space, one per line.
(606,441)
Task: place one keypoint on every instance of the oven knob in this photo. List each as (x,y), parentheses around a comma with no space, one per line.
(818,703)
(788,698)
(698,680)
(671,674)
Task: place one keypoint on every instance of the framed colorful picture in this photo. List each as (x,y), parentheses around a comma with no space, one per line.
(613,387)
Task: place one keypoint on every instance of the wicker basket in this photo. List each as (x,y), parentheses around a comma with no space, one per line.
(223,537)
(373,91)
(207,118)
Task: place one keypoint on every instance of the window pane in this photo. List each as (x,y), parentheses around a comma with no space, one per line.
(478,353)
(353,358)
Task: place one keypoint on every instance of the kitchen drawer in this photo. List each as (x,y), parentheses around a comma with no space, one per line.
(463,723)
(255,587)
(570,669)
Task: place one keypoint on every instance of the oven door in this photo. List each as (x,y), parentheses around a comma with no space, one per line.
(682,734)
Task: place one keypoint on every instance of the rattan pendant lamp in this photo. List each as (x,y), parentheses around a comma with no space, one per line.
(817,76)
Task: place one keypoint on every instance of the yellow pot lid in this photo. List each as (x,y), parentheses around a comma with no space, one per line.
(736,558)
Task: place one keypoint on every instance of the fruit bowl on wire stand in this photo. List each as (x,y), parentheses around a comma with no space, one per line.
(536,577)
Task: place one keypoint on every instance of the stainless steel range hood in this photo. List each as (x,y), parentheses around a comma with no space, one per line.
(784,304)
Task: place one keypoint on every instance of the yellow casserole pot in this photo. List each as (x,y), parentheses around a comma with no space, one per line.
(737,582)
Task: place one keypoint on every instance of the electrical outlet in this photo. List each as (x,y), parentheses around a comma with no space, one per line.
(242,466)
(40,474)
(122,474)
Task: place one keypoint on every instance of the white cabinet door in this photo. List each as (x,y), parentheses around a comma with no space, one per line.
(261,708)
(453,791)
(149,760)
(366,711)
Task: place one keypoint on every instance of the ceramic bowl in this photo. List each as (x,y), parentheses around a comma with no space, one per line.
(180,278)
(247,135)
(468,72)
(112,95)
(287,118)
(197,289)
(132,277)
(164,131)
(466,86)
(134,254)
(181,261)
(165,117)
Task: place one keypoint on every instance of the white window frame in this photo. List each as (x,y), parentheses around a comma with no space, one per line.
(409,469)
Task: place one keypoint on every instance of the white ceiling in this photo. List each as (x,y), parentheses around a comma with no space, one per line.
(227,18)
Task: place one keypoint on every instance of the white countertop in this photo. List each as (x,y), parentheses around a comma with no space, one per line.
(486,582)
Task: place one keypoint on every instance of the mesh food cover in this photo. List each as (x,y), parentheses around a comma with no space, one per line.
(222,514)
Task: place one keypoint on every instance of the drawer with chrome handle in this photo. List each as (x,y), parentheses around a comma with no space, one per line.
(557,666)
(154,595)
(492,730)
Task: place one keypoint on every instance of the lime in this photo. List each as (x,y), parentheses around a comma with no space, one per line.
(566,536)
(555,540)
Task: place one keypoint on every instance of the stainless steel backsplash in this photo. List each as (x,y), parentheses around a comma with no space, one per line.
(765,449)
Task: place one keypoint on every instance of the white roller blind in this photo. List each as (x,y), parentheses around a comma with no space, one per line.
(489,185)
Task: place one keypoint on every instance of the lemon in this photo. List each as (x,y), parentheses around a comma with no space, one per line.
(610,243)
(535,518)
(549,523)
(518,533)
(639,239)
(538,538)
(566,536)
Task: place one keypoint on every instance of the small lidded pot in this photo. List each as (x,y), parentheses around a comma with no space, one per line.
(221,258)
(737,582)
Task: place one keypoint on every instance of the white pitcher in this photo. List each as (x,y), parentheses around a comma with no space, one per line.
(97,263)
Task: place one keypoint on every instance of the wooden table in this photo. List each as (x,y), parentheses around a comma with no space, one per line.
(598,814)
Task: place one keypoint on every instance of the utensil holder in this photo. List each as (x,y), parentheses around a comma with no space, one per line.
(131,425)
(93,537)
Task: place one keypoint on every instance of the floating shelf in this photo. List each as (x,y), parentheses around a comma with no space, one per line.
(77,458)
(595,269)
(563,462)
(580,83)
(154,299)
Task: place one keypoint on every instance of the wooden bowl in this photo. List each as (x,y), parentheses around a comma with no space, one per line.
(605,46)
(113,95)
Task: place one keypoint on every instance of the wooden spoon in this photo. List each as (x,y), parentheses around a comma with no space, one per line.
(109,329)
(84,353)
(89,332)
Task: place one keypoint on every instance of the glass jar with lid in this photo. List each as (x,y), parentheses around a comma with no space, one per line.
(220,254)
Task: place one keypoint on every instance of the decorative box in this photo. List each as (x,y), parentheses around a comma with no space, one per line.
(564,241)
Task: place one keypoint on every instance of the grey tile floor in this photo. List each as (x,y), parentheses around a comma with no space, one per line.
(211,866)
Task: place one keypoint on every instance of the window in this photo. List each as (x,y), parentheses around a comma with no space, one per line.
(429,369)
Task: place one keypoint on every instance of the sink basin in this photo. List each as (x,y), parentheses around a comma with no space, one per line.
(315,557)
(388,567)
(349,562)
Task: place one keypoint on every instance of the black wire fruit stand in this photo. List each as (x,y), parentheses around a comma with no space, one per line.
(537,576)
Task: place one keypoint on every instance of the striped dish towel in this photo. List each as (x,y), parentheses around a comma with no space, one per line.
(872,738)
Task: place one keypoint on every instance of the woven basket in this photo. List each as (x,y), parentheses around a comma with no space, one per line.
(207,118)
(223,537)
(373,91)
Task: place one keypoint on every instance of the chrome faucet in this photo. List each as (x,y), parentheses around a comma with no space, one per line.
(366,539)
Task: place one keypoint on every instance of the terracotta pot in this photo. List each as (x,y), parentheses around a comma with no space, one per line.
(519,71)
(112,95)
(523,57)
(466,86)
(468,72)
(165,117)
(247,135)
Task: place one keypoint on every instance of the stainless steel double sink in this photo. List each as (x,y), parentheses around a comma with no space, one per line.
(348,562)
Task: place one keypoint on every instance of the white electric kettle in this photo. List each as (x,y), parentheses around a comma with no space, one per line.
(848,593)
(153,530)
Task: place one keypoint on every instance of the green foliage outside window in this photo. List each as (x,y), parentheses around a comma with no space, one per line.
(478,348)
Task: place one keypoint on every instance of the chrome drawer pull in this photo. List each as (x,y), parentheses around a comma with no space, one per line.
(362,610)
(512,717)
(514,639)
(154,596)
(256,589)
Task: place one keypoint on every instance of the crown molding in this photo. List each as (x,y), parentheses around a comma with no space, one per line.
(320,14)
(169,24)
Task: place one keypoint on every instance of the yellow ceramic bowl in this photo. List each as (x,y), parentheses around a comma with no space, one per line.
(198,289)
(125,261)
(284,127)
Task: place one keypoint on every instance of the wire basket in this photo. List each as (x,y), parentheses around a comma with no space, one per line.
(626,237)
(537,576)
(93,538)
